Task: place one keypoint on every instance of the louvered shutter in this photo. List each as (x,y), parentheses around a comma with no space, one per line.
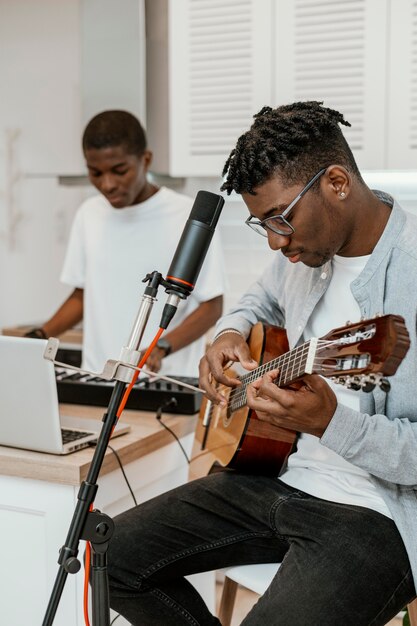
(402,96)
(220,75)
(335,52)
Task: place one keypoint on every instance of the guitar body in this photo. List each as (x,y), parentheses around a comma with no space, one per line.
(239,440)
(357,356)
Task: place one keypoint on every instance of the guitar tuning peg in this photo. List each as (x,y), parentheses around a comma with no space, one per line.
(367,386)
(385,385)
(354,382)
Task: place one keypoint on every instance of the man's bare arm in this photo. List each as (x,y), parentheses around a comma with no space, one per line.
(67,316)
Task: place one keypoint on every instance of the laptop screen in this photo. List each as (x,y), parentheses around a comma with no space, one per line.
(29,410)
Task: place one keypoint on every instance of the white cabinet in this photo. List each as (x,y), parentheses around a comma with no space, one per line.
(402,93)
(359,57)
(335,52)
(208,72)
(40,70)
(212,65)
(35,517)
(112,57)
(60,64)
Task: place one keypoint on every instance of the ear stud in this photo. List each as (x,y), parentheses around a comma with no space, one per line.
(342,194)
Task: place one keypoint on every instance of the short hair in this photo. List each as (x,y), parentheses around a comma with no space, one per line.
(293,142)
(115,128)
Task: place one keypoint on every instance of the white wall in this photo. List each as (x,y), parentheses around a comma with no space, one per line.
(60,62)
(401,185)
(39,138)
(112,39)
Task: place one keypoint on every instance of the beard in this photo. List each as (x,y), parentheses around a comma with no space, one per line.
(319,259)
(315,259)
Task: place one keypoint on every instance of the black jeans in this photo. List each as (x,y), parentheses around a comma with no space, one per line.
(342,565)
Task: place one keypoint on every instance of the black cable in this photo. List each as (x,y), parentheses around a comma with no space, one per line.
(123,472)
(94,443)
(171,402)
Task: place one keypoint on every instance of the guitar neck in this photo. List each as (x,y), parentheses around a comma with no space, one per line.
(292,365)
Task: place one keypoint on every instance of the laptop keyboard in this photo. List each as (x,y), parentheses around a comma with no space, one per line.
(69,435)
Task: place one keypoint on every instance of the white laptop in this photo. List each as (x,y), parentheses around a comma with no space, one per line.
(29,409)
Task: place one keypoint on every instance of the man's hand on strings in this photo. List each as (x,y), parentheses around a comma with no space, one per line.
(307,409)
(230,347)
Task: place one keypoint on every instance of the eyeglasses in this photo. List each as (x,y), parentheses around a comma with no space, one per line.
(278,223)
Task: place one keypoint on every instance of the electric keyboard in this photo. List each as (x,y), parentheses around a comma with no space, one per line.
(77,388)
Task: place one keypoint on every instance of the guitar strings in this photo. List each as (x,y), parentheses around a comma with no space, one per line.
(294,357)
(275,363)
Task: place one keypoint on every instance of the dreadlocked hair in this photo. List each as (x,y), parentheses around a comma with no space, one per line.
(293,141)
(115,128)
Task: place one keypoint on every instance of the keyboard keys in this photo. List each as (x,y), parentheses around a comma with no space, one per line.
(69,435)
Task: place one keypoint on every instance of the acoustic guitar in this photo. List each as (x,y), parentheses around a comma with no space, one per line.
(359,356)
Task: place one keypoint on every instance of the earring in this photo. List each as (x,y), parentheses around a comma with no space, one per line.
(342,194)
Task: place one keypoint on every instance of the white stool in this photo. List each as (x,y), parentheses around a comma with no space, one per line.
(257,578)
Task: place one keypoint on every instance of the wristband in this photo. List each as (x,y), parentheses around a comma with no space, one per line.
(224,332)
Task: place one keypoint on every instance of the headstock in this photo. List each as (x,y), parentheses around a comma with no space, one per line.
(360,355)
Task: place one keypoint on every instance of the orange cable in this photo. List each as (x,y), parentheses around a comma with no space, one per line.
(136,374)
(118,414)
(87,577)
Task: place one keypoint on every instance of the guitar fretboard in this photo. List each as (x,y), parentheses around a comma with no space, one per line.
(291,365)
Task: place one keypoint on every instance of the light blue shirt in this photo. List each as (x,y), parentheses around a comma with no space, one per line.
(381,438)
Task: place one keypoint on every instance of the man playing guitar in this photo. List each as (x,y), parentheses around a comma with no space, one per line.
(341,516)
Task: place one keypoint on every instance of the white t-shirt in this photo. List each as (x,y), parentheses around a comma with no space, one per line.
(110,251)
(313,468)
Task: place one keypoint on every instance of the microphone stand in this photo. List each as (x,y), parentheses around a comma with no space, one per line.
(92,525)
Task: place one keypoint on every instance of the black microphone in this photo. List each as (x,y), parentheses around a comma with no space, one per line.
(195,240)
(192,247)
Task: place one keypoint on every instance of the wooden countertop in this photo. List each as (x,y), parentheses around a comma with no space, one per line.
(74,335)
(145,436)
